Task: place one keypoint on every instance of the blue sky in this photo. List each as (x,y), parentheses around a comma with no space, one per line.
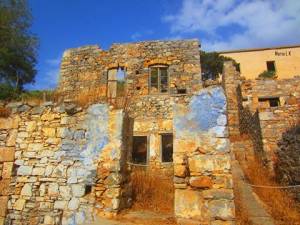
(219,24)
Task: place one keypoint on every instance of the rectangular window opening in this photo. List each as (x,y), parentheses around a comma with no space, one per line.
(271,66)
(159,80)
(269,102)
(167,147)
(238,67)
(139,149)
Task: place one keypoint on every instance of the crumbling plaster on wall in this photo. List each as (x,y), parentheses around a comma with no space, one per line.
(202,168)
(57,159)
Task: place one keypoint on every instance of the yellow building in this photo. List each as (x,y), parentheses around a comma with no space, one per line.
(284,60)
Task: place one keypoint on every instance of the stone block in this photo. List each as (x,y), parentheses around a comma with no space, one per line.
(65,192)
(24,170)
(11,140)
(2,220)
(49,132)
(34,147)
(48,220)
(113,192)
(27,190)
(218,194)
(7,170)
(60,204)
(23,134)
(113,179)
(60,171)
(201,182)
(74,204)
(266,116)
(38,171)
(3,205)
(190,205)
(53,189)
(78,190)
(4,186)
(48,117)
(209,163)
(30,126)
(180,170)
(19,204)
(7,154)
(222,209)
(9,123)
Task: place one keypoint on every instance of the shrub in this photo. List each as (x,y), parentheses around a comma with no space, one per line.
(267,74)
(7,92)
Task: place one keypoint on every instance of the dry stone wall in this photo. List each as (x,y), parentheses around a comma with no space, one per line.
(53,154)
(202,164)
(86,68)
(264,124)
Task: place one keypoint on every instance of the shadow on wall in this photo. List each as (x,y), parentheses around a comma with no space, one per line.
(288,163)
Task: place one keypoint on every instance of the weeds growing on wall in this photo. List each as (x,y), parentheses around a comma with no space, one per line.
(279,202)
(152,190)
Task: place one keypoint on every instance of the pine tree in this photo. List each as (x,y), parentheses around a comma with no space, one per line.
(18,46)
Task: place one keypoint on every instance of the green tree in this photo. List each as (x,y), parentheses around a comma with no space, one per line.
(212,64)
(18,46)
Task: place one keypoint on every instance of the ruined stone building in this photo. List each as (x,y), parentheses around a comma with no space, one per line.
(61,163)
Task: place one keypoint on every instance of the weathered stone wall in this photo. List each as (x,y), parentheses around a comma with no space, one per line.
(274,123)
(84,71)
(8,135)
(202,165)
(288,164)
(58,151)
(287,90)
(86,68)
(264,124)
(230,83)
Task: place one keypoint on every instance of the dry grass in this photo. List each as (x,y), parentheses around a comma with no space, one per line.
(88,97)
(280,203)
(152,190)
(4,112)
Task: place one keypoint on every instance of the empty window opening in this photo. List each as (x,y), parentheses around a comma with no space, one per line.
(238,67)
(116,82)
(159,79)
(139,149)
(269,102)
(88,189)
(121,75)
(271,66)
(167,147)
(181,91)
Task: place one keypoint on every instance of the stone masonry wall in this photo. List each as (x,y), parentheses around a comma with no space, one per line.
(264,124)
(274,123)
(85,69)
(286,89)
(8,134)
(202,164)
(57,150)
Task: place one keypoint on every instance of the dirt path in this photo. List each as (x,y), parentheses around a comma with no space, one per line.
(137,217)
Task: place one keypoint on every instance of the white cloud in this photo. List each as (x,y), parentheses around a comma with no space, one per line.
(54,62)
(138,35)
(257,22)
